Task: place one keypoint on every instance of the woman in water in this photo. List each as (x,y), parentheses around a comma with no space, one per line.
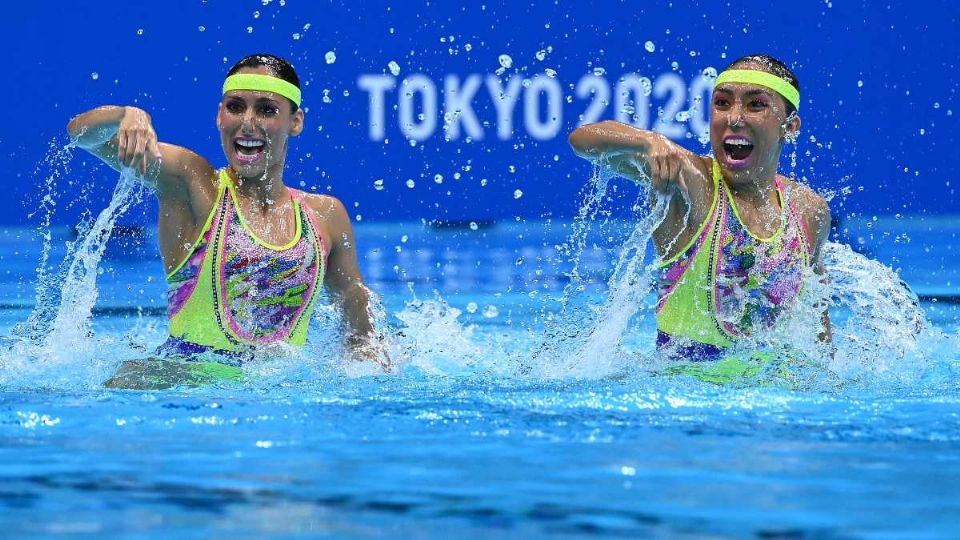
(244,253)
(737,238)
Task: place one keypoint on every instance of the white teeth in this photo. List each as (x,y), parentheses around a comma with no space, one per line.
(250,144)
(738,142)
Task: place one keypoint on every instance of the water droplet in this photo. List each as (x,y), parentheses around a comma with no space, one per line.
(410,183)
(517,194)
(646,86)
(330,57)
(378,184)
(550,73)
(249,30)
(394,68)
(649,46)
(541,54)
(296,36)
(94,75)
(438,178)
(139,31)
(709,73)
(859,84)
(474,226)
(505,61)
(599,71)
(491,312)
(472,307)
(203,28)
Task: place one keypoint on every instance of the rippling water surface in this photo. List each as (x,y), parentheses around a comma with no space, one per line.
(527,402)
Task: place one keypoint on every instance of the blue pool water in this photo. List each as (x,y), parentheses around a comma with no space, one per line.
(480,434)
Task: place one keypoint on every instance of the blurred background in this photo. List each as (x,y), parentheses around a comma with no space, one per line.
(458,112)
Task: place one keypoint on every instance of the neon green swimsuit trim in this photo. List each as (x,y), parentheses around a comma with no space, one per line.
(783,217)
(761,78)
(688,310)
(297,233)
(262,83)
(208,372)
(727,370)
(204,318)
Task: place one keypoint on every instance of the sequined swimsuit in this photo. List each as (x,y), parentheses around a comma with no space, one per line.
(234,291)
(728,283)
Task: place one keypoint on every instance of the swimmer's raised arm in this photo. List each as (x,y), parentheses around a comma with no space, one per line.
(123,137)
(344,282)
(640,155)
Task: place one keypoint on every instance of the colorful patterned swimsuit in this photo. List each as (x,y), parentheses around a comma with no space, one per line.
(234,291)
(728,283)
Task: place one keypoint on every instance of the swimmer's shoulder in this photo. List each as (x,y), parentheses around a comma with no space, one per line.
(813,209)
(808,200)
(183,168)
(329,212)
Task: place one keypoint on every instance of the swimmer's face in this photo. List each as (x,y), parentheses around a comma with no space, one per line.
(254,129)
(748,124)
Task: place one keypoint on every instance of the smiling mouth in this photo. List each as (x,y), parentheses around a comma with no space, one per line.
(738,149)
(248,150)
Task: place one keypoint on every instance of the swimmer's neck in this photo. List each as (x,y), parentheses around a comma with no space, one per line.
(263,191)
(755,190)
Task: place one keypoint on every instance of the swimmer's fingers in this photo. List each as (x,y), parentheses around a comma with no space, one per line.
(681,182)
(674,174)
(121,146)
(660,174)
(140,154)
(154,148)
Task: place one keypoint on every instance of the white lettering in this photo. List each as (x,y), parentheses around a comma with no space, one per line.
(631,100)
(418,128)
(701,92)
(377,86)
(592,85)
(672,84)
(504,101)
(457,107)
(550,126)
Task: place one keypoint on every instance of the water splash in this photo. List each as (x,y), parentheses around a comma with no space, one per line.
(55,347)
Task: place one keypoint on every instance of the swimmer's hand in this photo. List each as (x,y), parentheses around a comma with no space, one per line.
(371,349)
(666,164)
(137,146)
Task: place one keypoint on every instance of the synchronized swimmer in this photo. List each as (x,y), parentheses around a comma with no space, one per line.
(737,237)
(245,254)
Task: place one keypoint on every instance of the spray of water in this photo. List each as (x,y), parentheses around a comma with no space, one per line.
(55,347)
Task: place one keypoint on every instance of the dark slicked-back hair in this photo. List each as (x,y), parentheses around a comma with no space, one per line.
(277,66)
(774,67)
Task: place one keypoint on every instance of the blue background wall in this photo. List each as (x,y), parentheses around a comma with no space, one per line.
(879,85)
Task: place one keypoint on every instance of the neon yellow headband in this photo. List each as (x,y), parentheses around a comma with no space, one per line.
(762,78)
(263,83)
